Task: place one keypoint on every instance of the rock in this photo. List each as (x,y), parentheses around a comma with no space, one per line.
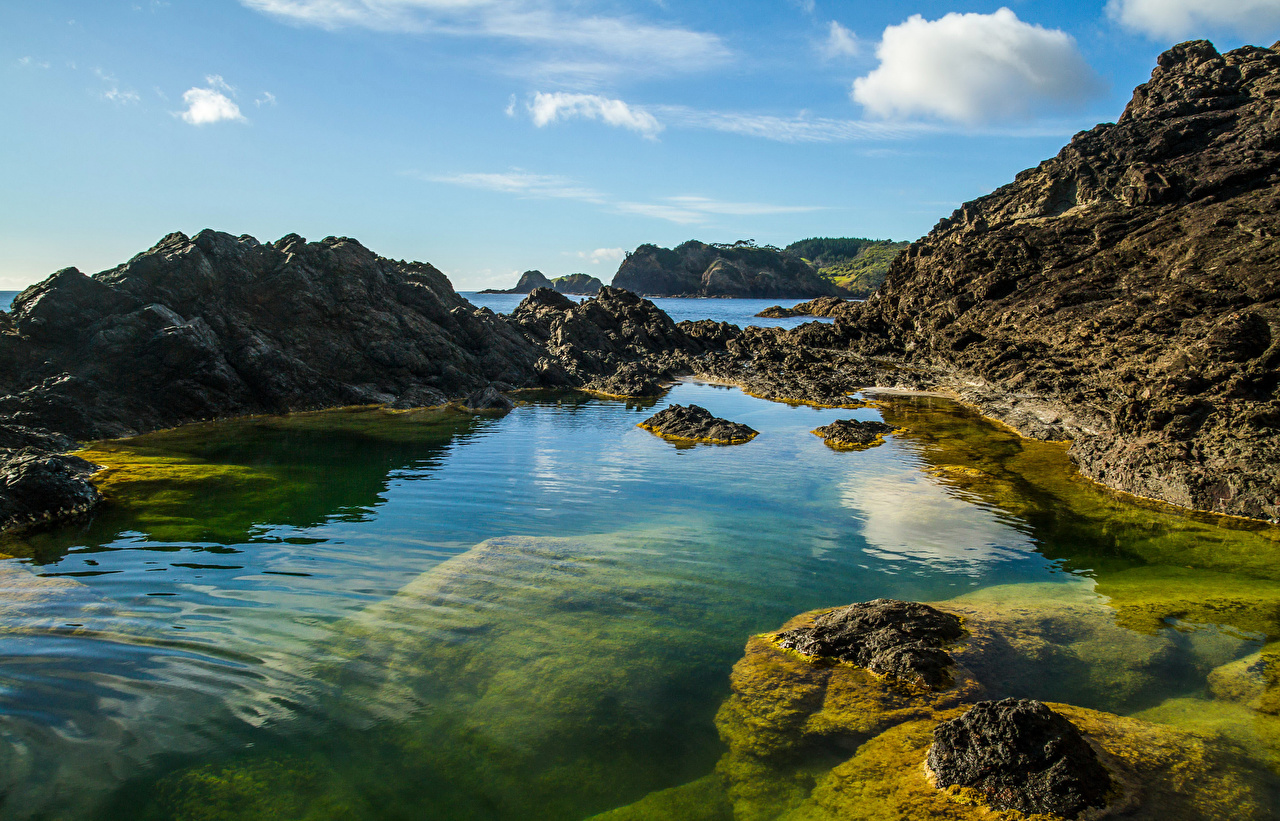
(739,270)
(850,434)
(488,399)
(1122,294)
(36,487)
(903,640)
(696,424)
(1020,755)
(822,306)
(584,284)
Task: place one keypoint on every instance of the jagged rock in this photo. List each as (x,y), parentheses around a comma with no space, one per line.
(1123,293)
(888,637)
(530,281)
(822,306)
(739,270)
(696,424)
(36,486)
(847,434)
(488,399)
(1020,755)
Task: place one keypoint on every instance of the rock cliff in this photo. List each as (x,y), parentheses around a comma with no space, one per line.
(1124,293)
(739,270)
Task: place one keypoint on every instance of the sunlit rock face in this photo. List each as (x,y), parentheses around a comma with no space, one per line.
(1123,293)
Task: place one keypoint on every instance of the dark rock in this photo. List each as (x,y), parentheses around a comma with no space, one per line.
(824,306)
(1020,755)
(696,424)
(36,487)
(900,639)
(851,433)
(583,284)
(1122,294)
(739,270)
(488,399)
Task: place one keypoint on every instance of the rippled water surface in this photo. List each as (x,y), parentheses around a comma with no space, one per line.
(368,614)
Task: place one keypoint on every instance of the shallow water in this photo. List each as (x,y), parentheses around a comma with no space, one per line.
(368,614)
(740,312)
(6,299)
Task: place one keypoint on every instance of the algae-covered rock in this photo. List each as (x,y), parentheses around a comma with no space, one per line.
(268,789)
(694,423)
(888,637)
(701,800)
(1253,681)
(1164,774)
(852,434)
(1019,755)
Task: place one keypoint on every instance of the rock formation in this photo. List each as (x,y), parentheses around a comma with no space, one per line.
(577,284)
(851,434)
(1122,294)
(1018,754)
(214,326)
(903,640)
(822,306)
(739,270)
(694,423)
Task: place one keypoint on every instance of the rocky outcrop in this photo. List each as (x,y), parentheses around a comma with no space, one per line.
(577,284)
(739,270)
(822,306)
(215,326)
(616,343)
(852,434)
(1019,755)
(903,640)
(694,423)
(1122,294)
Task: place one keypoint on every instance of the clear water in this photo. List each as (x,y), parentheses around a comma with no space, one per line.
(367,614)
(740,312)
(6,299)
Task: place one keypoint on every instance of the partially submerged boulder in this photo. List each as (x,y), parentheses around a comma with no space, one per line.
(695,423)
(1017,754)
(886,636)
(852,434)
(825,306)
(487,399)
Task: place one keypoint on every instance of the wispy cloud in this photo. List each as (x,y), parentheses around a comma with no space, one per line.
(840,42)
(547,108)
(267,98)
(566,41)
(1175,19)
(797,129)
(684,209)
(113,91)
(602,255)
(29,62)
(211,104)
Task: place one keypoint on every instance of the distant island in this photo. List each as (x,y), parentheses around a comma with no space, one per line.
(578,284)
(848,267)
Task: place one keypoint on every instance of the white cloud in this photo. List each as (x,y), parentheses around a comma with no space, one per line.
(114,93)
(267,98)
(210,105)
(28,62)
(600,255)
(549,108)
(840,42)
(799,129)
(974,68)
(1178,19)
(570,43)
(684,210)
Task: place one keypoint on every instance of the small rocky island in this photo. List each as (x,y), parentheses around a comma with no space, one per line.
(852,434)
(824,306)
(699,269)
(694,423)
(576,284)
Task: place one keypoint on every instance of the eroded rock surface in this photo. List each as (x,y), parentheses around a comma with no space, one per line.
(849,434)
(1020,755)
(889,637)
(822,306)
(739,270)
(1123,293)
(696,424)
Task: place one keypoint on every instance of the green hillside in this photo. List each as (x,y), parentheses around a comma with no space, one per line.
(855,264)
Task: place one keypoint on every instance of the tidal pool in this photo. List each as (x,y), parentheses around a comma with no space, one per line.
(371,614)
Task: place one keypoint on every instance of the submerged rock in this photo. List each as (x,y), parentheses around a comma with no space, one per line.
(889,637)
(850,434)
(1020,755)
(696,424)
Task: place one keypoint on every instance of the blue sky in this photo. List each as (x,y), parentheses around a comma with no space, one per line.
(492,136)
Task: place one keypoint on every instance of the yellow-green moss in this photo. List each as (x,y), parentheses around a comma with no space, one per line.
(265,789)
(850,446)
(701,800)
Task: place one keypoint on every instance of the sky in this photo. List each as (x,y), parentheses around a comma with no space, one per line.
(489,137)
